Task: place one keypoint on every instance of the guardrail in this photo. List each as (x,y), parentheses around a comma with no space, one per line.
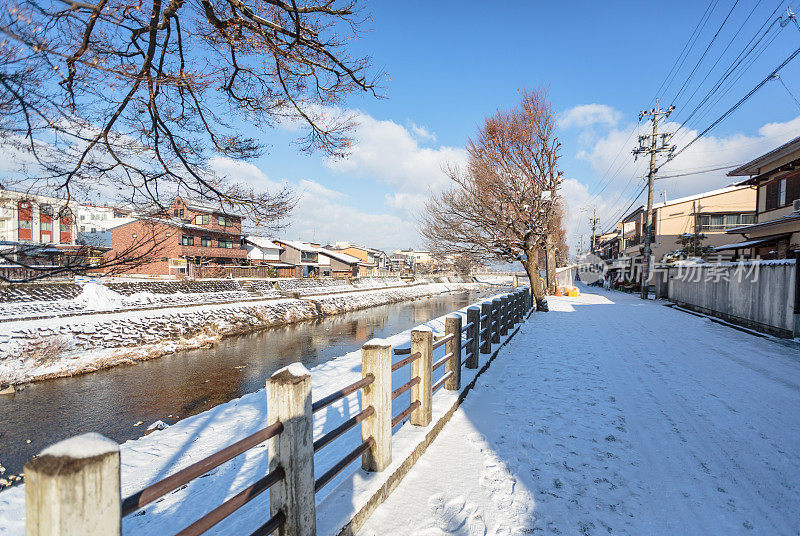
(73,487)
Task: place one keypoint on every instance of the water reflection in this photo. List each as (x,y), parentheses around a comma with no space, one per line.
(173,387)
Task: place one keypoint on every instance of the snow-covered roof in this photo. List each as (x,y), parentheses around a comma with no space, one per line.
(339,256)
(301,246)
(262,242)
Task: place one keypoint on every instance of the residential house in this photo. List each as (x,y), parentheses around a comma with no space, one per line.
(421,261)
(303,255)
(188,234)
(372,261)
(341,264)
(710,213)
(775,234)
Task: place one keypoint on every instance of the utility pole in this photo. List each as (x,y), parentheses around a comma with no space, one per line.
(593,222)
(651,143)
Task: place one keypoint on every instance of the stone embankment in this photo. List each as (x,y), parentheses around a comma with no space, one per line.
(107,325)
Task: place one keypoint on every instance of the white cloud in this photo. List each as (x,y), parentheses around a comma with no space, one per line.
(313,188)
(422,133)
(391,154)
(323,218)
(587,115)
(243,172)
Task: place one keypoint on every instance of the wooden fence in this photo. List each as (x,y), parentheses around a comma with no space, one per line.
(73,487)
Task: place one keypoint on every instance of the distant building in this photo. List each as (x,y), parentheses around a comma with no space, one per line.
(187,235)
(261,250)
(775,233)
(99,218)
(710,213)
(36,219)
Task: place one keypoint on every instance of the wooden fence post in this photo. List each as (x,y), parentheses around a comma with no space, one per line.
(376,359)
(473,334)
(289,401)
(422,342)
(72,488)
(486,328)
(496,306)
(503,316)
(452,324)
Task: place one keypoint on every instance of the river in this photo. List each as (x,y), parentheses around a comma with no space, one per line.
(173,387)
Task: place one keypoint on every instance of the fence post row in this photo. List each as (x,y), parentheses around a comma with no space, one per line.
(473,335)
(486,328)
(376,359)
(72,488)
(289,401)
(497,304)
(422,342)
(452,325)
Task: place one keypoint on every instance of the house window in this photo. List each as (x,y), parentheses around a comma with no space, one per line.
(24,224)
(205,241)
(201,219)
(169,234)
(176,213)
(719,222)
(46,226)
(134,235)
(2,225)
(65,227)
(187,240)
(308,256)
(782,192)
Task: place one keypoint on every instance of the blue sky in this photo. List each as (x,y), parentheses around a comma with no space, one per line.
(449,64)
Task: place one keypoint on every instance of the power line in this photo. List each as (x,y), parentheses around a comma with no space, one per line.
(687,47)
(787,89)
(737,61)
(703,55)
(738,104)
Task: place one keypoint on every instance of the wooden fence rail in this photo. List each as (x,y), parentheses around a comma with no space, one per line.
(73,487)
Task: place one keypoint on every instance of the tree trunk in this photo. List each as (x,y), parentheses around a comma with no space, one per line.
(532,269)
(550,264)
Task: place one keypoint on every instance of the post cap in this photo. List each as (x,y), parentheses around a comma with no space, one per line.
(71,455)
(294,373)
(376,343)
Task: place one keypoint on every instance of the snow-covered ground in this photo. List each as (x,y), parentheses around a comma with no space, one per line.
(610,415)
(152,457)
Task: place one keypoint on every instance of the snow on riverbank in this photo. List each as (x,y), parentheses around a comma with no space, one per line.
(610,415)
(55,347)
(150,458)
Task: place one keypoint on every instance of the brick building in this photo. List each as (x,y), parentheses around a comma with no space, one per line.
(189,234)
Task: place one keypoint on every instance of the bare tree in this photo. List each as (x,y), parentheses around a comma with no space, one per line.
(501,203)
(134,97)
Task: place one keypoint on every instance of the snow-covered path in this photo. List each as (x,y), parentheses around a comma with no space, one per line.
(610,415)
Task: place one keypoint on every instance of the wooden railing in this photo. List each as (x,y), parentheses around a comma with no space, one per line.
(82,495)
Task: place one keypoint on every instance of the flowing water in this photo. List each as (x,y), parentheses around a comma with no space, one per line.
(186,383)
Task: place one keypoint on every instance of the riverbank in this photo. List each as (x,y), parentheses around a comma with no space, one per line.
(46,348)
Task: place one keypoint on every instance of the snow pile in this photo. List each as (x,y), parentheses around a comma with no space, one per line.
(97,297)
